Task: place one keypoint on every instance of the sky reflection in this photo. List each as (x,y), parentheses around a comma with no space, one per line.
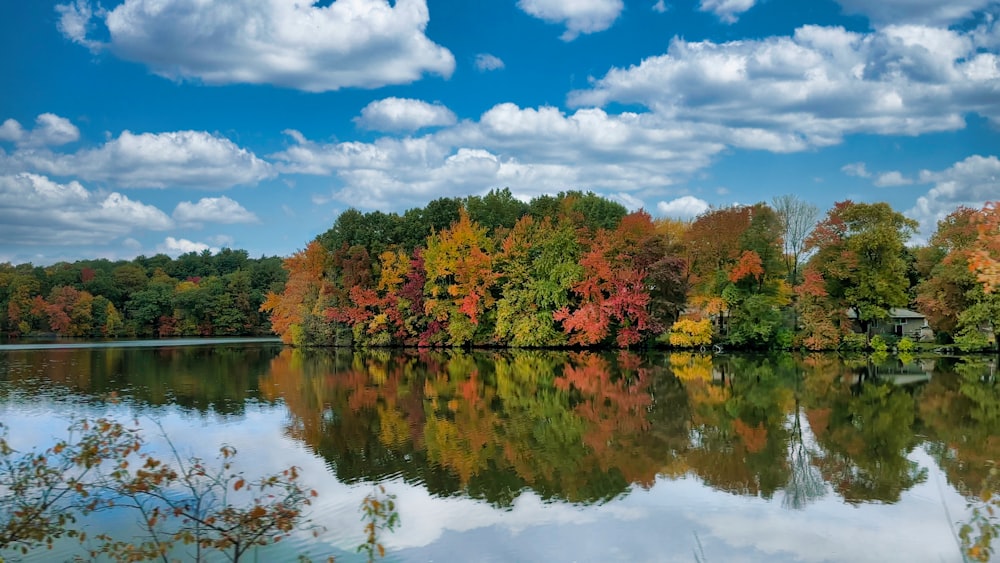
(671,521)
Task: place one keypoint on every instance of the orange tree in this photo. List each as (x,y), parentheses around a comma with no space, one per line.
(978,320)
(613,297)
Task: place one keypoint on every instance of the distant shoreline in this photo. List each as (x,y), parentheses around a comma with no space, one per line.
(150,343)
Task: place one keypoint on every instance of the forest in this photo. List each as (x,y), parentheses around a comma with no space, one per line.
(579,270)
(569,270)
(196,294)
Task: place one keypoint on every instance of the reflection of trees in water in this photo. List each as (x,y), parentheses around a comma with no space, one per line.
(586,426)
(865,430)
(805,482)
(960,408)
(216,379)
(571,425)
(574,426)
(741,438)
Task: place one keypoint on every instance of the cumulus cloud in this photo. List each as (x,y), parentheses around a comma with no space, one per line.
(660,7)
(36,210)
(213,210)
(301,45)
(579,16)
(970,182)
(531,150)
(175,247)
(486,62)
(811,89)
(727,10)
(11,130)
(403,114)
(684,207)
(153,160)
(50,130)
(892,178)
(858,169)
(930,12)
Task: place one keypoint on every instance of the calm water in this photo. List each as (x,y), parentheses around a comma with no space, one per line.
(543,456)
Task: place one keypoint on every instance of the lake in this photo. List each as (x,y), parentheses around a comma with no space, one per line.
(556,456)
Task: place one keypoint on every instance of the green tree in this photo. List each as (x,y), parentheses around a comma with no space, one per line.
(149,310)
(860,249)
(537,265)
(497,209)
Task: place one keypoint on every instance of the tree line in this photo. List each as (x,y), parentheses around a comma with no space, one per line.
(576,269)
(195,294)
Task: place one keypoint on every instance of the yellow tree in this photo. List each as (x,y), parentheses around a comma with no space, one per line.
(459,266)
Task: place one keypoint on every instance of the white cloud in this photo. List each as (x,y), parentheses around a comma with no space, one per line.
(727,10)
(530,150)
(930,12)
(811,89)
(153,160)
(892,178)
(858,169)
(75,23)
(348,43)
(486,62)
(50,130)
(580,16)
(685,207)
(970,182)
(175,247)
(403,114)
(36,210)
(11,130)
(630,202)
(213,210)
(660,7)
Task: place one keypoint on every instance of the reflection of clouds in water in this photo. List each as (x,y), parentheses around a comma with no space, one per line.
(914,529)
(664,523)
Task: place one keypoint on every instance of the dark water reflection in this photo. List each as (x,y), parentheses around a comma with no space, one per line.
(220,379)
(577,427)
(583,427)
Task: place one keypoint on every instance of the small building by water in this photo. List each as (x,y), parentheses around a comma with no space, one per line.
(901,322)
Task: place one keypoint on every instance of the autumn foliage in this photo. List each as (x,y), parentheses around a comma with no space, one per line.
(985,259)
(577,270)
(195,294)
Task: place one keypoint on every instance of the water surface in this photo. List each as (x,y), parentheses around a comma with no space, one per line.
(560,456)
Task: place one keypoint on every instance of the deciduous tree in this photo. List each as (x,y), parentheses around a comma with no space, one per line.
(860,251)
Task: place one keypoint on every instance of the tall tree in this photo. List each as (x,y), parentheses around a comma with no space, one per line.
(860,253)
(497,209)
(300,299)
(797,218)
(460,277)
(613,297)
(948,283)
(986,259)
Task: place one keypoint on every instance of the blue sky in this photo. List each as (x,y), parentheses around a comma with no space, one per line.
(150,126)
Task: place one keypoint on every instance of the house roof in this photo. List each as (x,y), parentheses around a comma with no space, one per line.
(894,313)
